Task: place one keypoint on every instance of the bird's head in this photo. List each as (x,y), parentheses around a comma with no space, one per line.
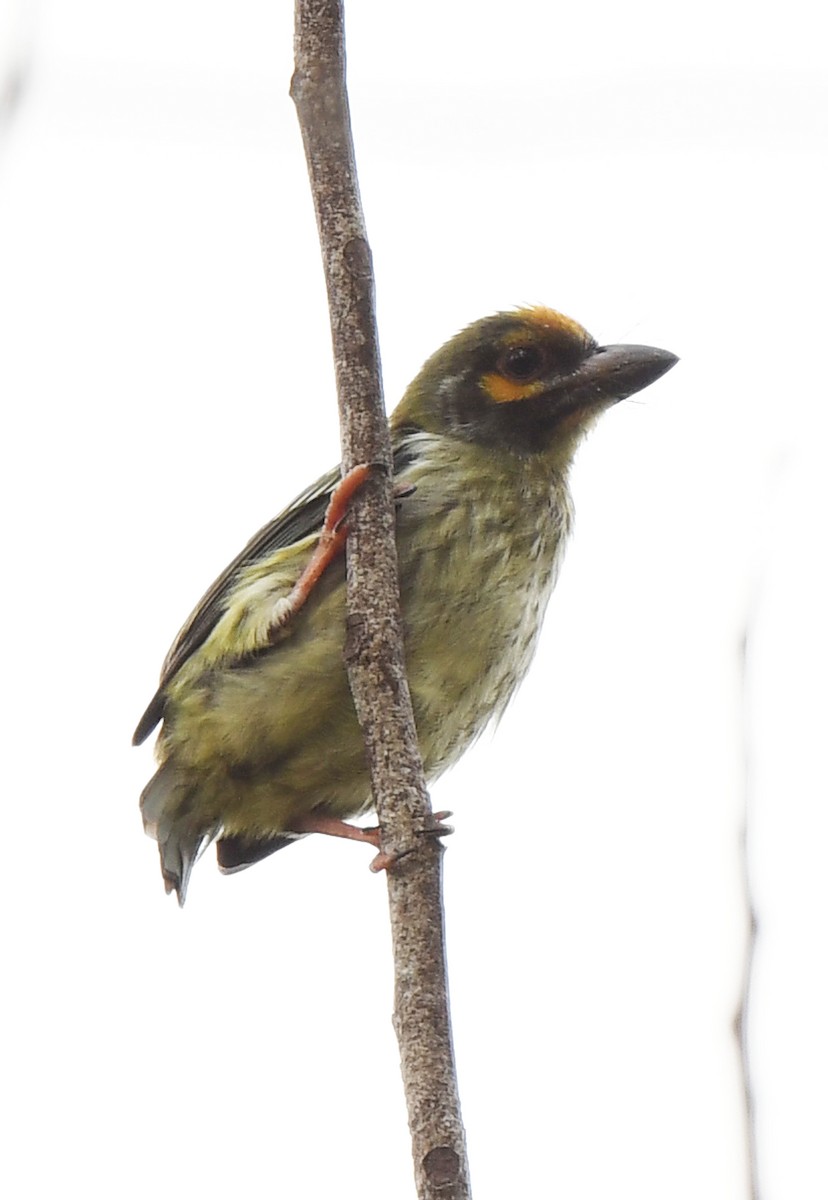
(530,381)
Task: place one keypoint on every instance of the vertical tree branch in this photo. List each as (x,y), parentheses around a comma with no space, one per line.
(741,1026)
(374,650)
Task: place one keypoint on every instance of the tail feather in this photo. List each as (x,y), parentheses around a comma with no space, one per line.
(236,852)
(166,806)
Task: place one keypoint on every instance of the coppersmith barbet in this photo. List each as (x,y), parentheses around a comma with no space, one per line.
(260,743)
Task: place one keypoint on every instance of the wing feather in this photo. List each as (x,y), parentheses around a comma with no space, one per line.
(299,520)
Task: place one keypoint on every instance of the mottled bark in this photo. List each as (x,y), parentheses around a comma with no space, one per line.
(374,651)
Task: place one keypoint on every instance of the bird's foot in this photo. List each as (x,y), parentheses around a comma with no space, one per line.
(384,861)
(316,823)
(331,543)
(332,540)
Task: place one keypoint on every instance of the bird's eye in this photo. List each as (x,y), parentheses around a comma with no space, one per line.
(521,363)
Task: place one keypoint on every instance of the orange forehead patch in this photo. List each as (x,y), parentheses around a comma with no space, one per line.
(549,319)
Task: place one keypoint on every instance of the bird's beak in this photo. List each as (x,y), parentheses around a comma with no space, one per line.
(612,373)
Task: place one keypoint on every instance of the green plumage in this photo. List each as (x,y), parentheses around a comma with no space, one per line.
(259,729)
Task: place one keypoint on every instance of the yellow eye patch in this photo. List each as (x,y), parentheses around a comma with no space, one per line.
(544,340)
(506,391)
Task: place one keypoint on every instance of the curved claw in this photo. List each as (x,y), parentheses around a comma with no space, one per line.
(385,860)
(438,829)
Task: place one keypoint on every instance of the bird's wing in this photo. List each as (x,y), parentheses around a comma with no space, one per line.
(299,520)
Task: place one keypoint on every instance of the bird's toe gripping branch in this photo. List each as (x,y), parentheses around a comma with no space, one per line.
(384,861)
(317,823)
(330,545)
(332,540)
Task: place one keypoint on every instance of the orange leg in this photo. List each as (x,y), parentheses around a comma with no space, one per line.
(315,823)
(330,545)
(382,861)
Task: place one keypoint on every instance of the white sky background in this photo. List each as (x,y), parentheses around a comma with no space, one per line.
(656,172)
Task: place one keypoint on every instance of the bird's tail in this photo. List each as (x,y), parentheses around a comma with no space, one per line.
(167,809)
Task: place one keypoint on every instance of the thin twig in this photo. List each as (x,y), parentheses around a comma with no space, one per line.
(741,1023)
(374,651)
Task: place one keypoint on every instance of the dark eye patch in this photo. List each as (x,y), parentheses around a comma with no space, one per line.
(521,363)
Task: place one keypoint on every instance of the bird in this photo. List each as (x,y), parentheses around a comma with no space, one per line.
(259,742)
